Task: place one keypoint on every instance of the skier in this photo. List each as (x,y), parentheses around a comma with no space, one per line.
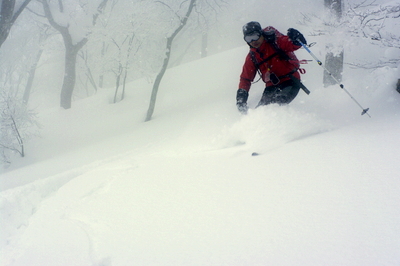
(272,55)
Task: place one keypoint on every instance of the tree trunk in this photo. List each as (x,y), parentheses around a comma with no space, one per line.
(32,73)
(8,17)
(7,9)
(334,63)
(124,83)
(101,77)
(117,82)
(69,76)
(204,42)
(160,75)
(157,82)
(335,6)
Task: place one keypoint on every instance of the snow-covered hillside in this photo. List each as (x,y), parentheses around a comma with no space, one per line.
(102,187)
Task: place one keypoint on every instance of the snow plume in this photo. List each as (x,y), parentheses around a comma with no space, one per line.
(272,126)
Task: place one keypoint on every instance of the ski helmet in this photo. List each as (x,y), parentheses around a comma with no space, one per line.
(251,27)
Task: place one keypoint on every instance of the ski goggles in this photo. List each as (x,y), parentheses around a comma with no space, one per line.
(252,37)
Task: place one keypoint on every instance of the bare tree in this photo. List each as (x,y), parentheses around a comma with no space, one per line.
(31,76)
(43,36)
(366,19)
(8,16)
(376,23)
(207,16)
(123,60)
(170,39)
(18,63)
(89,76)
(16,126)
(114,45)
(72,48)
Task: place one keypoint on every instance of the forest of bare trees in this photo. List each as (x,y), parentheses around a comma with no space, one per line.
(90,44)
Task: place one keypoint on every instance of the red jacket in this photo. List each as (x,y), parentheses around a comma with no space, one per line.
(280,67)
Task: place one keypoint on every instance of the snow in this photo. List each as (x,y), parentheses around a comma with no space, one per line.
(102,187)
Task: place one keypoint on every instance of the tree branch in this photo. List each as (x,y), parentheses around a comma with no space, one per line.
(19,11)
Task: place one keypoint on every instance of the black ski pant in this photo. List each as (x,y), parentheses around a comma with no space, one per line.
(281,94)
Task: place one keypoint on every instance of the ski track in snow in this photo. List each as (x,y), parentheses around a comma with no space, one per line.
(15,211)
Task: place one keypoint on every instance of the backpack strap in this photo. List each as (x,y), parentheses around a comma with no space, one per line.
(289,74)
(282,54)
(257,64)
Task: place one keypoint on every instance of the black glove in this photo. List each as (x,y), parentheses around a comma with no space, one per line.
(295,35)
(241,100)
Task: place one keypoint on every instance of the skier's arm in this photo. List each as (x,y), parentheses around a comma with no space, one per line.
(289,43)
(286,44)
(249,71)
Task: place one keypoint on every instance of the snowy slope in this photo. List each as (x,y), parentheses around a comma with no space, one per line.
(101,187)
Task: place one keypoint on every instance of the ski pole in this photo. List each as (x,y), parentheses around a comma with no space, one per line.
(365,111)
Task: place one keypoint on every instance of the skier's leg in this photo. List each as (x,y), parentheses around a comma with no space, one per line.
(268,96)
(287,92)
